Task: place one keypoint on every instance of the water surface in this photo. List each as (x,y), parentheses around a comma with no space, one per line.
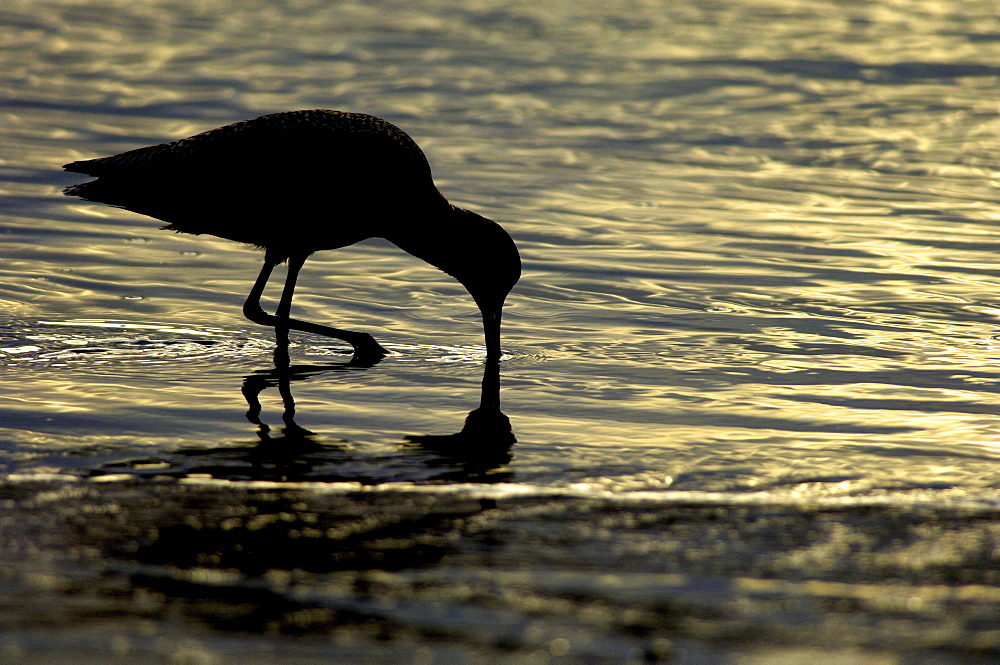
(752,363)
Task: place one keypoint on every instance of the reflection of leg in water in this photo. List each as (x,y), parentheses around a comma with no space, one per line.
(477,452)
(280,377)
(290,454)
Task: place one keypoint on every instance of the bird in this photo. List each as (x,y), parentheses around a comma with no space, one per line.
(296,182)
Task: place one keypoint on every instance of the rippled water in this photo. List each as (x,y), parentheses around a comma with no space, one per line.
(752,362)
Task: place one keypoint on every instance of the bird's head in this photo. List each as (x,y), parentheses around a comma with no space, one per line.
(488,265)
(478,253)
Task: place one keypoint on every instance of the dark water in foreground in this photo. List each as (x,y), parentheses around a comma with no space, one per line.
(752,365)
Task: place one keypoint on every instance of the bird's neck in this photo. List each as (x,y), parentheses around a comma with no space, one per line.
(434,238)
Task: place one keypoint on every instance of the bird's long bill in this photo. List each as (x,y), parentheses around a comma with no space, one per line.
(491,325)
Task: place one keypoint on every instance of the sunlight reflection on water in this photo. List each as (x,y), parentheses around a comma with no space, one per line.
(758,295)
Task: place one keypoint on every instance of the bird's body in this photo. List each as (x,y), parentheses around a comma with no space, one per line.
(298,182)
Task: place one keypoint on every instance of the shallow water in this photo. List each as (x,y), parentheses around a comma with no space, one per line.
(751,363)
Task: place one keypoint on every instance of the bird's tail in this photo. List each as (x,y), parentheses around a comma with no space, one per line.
(102,191)
(77,190)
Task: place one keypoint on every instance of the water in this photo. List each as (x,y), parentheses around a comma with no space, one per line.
(752,360)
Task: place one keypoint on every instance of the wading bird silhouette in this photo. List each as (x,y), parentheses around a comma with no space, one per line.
(297,182)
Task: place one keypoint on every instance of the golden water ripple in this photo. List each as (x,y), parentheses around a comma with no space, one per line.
(751,364)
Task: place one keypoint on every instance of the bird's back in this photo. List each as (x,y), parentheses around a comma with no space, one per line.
(267,142)
(250,180)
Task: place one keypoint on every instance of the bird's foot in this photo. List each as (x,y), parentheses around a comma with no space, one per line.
(366,350)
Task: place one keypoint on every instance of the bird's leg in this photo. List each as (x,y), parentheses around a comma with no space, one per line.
(366,349)
(251,308)
(285,304)
(253,311)
(284,310)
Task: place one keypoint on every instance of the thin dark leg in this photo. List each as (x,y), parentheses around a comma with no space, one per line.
(251,308)
(284,310)
(366,349)
(285,304)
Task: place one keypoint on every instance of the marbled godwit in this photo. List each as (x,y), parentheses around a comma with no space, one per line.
(302,181)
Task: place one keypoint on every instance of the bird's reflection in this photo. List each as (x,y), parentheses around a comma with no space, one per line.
(293,453)
(485,441)
(286,452)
